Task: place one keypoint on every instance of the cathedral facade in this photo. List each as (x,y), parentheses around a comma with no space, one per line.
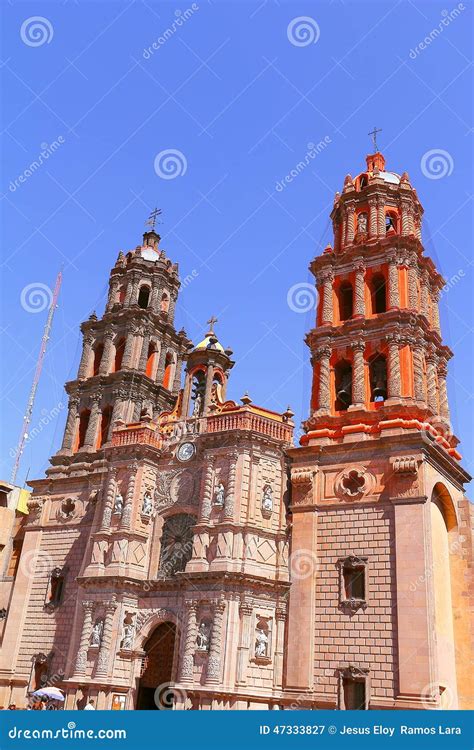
(183,553)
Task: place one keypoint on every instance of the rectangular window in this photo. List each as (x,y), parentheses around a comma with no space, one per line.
(353,582)
(354,688)
(354,695)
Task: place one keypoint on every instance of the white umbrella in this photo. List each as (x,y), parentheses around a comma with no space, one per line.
(50,692)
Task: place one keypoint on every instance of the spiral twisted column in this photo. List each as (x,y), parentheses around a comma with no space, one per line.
(84,365)
(81,658)
(214,664)
(229,501)
(328,309)
(109,500)
(106,361)
(394,384)
(187,665)
(323,355)
(350,218)
(372,217)
(206,503)
(413,284)
(71,423)
(358,379)
(126,518)
(443,391)
(104,651)
(432,382)
(91,432)
(393,287)
(359,299)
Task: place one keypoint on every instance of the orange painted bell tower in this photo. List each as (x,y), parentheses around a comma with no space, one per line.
(377,489)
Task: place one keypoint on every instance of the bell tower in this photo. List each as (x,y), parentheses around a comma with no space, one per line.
(377,487)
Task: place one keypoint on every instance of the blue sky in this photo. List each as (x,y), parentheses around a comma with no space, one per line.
(239,89)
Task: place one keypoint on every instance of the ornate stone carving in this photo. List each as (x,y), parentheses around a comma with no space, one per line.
(219,496)
(203,636)
(97,632)
(146,615)
(302,486)
(267,500)
(404,465)
(354,483)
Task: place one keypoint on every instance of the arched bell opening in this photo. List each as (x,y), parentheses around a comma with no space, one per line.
(343,385)
(164,302)
(378,294)
(167,376)
(151,360)
(119,350)
(391,222)
(98,352)
(345,299)
(104,427)
(143,296)
(158,667)
(82,429)
(198,389)
(378,378)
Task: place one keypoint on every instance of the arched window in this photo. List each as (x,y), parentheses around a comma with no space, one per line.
(83,425)
(143,297)
(378,377)
(119,350)
(391,222)
(164,303)
(98,352)
(151,361)
(378,294)
(121,294)
(343,385)
(105,420)
(363,182)
(345,299)
(197,394)
(168,371)
(176,544)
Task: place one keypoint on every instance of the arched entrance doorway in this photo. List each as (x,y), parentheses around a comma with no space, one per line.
(158,669)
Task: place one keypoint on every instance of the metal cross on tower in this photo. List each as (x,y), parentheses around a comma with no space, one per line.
(153,218)
(373,133)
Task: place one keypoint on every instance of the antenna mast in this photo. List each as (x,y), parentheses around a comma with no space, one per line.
(34,385)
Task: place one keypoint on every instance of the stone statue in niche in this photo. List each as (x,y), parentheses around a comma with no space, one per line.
(197,406)
(96,635)
(261,643)
(127,635)
(202,639)
(118,504)
(220,495)
(147,504)
(267,499)
(362,223)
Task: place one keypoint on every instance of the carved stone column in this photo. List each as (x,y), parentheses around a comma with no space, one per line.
(406,209)
(214,664)
(443,391)
(413,283)
(128,504)
(128,294)
(106,361)
(81,658)
(208,389)
(104,651)
(160,372)
(359,298)
(117,410)
(280,619)
(187,665)
(323,354)
(372,217)
(91,432)
(134,292)
(154,304)
(350,217)
(328,308)
(358,376)
(394,384)
(393,289)
(114,285)
(71,424)
(424,294)
(381,218)
(418,379)
(435,295)
(144,351)
(109,500)
(431,382)
(86,356)
(229,501)
(128,350)
(243,650)
(206,503)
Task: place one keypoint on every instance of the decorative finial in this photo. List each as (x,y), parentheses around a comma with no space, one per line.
(373,133)
(211,322)
(153,219)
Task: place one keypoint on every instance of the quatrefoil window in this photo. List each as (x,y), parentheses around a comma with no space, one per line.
(67,508)
(353,483)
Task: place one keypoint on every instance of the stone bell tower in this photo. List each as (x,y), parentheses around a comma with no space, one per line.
(377,500)
(132,357)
